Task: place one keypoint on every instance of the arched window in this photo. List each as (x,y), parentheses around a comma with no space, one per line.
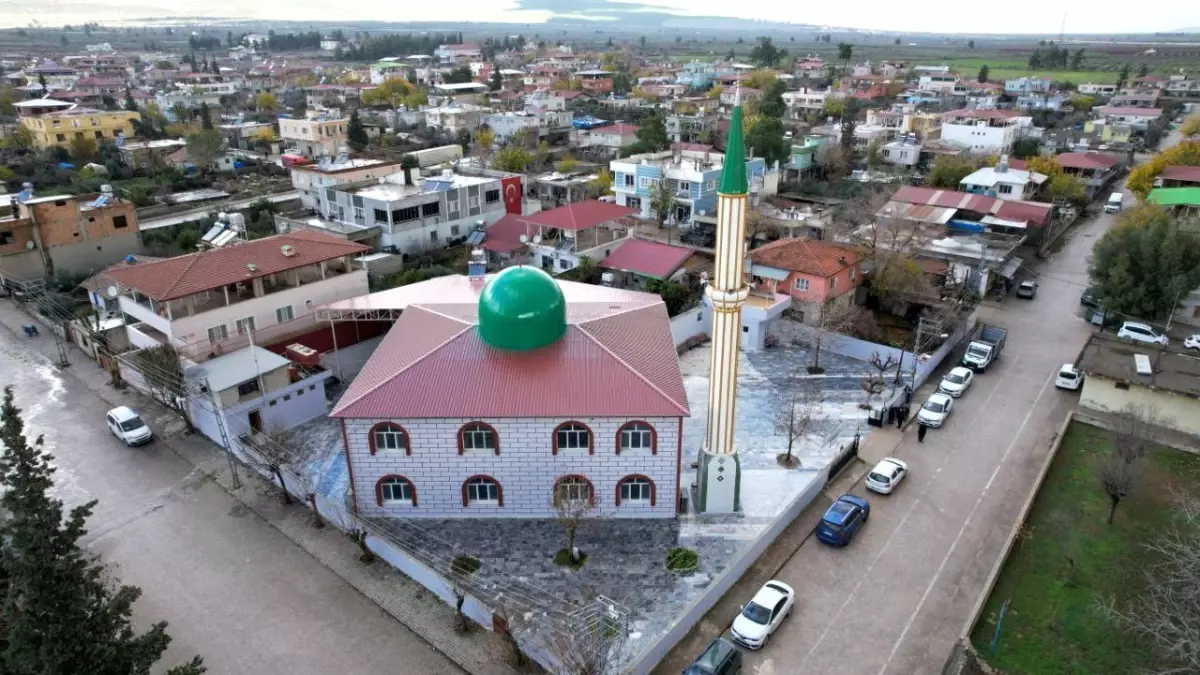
(389,437)
(635,489)
(395,490)
(573,489)
(478,436)
(572,436)
(482,491)
(637,436)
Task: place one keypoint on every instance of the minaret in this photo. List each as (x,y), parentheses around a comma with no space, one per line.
(720,468)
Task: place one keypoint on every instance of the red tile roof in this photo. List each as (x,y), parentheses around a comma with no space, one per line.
(580,215)
(648,258)
(978,114)
(617,358)
(807,256)
(621,129)
(1087,160)
(504,236)
(189,274)
(1034,212)
(1190,174)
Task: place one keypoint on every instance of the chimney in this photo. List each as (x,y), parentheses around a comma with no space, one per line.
(477,265)
(1002,165)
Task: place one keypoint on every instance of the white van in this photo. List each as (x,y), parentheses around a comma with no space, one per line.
(1114,202)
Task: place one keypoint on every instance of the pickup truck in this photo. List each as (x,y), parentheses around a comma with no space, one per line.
(985,347)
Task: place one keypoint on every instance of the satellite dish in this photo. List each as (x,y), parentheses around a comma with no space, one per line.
(30,245)
(112,291)
(524,239)
(537,239)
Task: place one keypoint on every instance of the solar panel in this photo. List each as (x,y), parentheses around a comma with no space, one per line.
(212,233)
(224,238)
(1142,363)
(475,238)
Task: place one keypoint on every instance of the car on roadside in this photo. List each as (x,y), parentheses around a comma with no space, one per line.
(1027,289)
(843,519)
(719,658)
(1069,377)
(1192,342)
(1090,298)
(935,411)
(765,612)
(956,381)
(1140,332)
(886,475)
(128,426)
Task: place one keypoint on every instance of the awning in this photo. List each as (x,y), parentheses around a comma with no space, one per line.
(1001,222)
(1010,268)
(769,272)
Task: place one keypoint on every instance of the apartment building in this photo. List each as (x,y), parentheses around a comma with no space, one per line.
(318,135)
(1027,85)
(455,117)
(57,123)
(690,175)
(983,131)
(691,128)
(67,235)
(212,301)
(1094,89)
(310,179)
(939,82)
(415,214)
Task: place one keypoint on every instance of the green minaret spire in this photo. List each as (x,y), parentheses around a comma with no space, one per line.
(733,174)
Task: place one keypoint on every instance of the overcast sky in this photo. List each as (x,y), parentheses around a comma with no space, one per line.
(937,16)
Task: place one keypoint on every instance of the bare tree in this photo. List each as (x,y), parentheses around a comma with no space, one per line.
(882,364)
(1132,430)
(461,569)
(273,454)
(890,244)
(835,318)
(163,375)
(798,414)
(875,383)
(589,640)
(573,512)
(1118,477)
(1167,611)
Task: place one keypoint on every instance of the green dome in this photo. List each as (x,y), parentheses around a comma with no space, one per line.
(522,308)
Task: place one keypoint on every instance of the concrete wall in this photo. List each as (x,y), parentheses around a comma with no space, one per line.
(526,468)
(1181,413)
(690,324)
(692,615)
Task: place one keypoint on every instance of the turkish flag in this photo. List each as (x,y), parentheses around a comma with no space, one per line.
(512,194)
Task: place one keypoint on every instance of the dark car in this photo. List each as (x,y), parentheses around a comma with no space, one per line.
(1090,298)
(721,658)
(843,519)
(1027,289)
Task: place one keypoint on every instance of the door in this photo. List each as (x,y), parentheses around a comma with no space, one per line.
(255,420)
(112,425)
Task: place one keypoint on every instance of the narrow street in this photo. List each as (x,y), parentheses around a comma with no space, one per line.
(234,589)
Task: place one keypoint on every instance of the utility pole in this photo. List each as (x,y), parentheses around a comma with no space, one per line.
(219,413)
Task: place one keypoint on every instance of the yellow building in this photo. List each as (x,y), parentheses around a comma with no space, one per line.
(60,127)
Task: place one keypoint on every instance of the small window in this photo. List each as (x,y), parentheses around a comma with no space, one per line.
(396,490)
(473,202)
(636,436)
(478,436)
(572,436)
(218,333)
(492,196)
(453,230)
(389,437)
(99,134)
(120,221)
(358,213)
(283,314)
(59,137)
(801,284)
(564,264)
(636,490)
(430,209)
(380,216)
(433,235)
(1005,189)
(573,489)
(248,387)
(245,325)
(6,237)
(832,283)
(482,490)
(851,274)
(406,214)
(628,180)
(272,403)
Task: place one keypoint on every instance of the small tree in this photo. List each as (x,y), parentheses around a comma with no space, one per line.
(512,158)
(573,513)
(603,181)
(163,376)
(356,133)
(983,73)
(1131,438)
(266,102)
(1118,476)
(83,148)
(567,164)
(274,455)
(485,138)
(204,147)
(662,200)
(834,319)
(797,415)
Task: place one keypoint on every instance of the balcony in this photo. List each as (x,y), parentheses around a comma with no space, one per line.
(763,305)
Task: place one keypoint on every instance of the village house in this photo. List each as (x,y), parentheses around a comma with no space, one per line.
(819,276)
(67,235)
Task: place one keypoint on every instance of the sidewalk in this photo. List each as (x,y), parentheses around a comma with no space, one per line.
(479,652)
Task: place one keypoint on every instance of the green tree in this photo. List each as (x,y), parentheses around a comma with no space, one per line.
(1145,263)
(622,83)
(662,200)
(652,134)
(496,82)
(1123,76)
(949,170)
(512,157)
(204,147)
(766,54)
(1026,147)
(971,45)
(983,73)
(567,164)
(603,181)
(356,134)
(845,53)
(459,75)
(83,148)
(1143,70)
(205,116)
(60,612)
(767,141)
(675,296)
(130,104)
(266,101)
(1069,189)
(771,104)
(1191,126)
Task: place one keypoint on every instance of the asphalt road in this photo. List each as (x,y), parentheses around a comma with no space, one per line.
(893,601)
(233,589)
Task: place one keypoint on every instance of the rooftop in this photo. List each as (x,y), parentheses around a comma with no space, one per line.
(981,114)
(1188,174)
(1127,112)
(647,258)
(620,129)
(1176,196)
(1106,356)
(615,358)
(235,368)
(1035,212)
(207,270)
(333,166)
(1086,160)
(392,188)
(461,86)
(989,176)
(580,215)
(807,256)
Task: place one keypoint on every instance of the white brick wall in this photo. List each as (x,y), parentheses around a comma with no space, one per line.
(526,468)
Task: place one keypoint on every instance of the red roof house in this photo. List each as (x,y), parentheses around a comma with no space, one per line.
(647,258)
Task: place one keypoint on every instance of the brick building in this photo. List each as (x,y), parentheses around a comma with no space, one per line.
(67,235)
(502,396)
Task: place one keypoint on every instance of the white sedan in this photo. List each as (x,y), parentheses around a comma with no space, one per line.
(935,411)
(766,611)
(956,381)
(886,475)
(1068,377)
(1192,342)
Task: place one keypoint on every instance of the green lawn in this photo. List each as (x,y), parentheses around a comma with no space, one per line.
(1052,626)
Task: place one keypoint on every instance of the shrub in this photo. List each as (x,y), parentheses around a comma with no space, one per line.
(465,564)
(563,558)
(681,559)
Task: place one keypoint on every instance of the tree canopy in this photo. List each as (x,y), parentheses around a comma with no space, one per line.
(949,170)
(766,54)
(1141,179)
(1144,264)
(60,612)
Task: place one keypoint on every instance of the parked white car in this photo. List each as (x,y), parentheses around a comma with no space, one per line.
(886,475)
(1068,377)
(766,611)
(936,410)
(1140,332)
(956,381)
(128,426)
(1192,342)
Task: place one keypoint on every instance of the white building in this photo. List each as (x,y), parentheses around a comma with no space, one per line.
(983,131)
(454,117)
(1003,182)
(480,404)
(319,135)
(213,300)
(309,179)
(939,82)
(415,214)
(330,44)
(904,151)
(542,123)
(1092,89)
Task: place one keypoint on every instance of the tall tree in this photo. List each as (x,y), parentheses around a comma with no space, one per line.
(1143,70)
(983,73)
(766,54)
(845,53)
(204,147)
(205,116)
(496,81)
(356,134)
(652,134)
(130,104)
(1123,76)
(1145,264)
(60,612)
(766,139)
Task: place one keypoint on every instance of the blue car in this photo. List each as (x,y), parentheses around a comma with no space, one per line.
(843,519)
